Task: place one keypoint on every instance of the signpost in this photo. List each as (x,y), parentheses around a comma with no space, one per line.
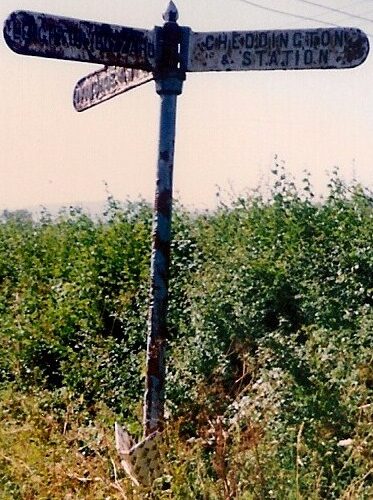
(133,57)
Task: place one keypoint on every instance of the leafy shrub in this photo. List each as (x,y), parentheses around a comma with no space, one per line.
(270,333)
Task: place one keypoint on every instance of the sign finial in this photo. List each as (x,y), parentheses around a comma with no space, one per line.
(171,14)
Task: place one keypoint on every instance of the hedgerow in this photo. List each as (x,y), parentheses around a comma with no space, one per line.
(270,378)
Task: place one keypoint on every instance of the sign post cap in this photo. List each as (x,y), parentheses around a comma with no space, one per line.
(171,14)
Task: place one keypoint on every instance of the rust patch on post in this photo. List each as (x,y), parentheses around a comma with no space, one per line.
(163,202)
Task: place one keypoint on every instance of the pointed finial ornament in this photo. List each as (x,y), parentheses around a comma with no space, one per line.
(171,14)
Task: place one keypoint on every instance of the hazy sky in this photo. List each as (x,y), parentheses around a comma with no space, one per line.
(230,126)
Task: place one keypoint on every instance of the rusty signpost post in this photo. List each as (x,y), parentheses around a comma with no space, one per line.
(133,57)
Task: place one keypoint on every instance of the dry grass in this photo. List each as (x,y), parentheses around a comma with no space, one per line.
(45,456)
(68,453)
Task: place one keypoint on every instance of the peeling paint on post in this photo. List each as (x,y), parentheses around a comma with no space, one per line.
(157,333)
(169,81)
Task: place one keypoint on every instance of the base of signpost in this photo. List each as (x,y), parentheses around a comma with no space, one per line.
(142,461)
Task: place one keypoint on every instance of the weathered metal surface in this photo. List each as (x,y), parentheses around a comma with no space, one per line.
(169,84)
(171,14)
(43,35)
(160,263)
(142,461)
(331,48)
(107,83)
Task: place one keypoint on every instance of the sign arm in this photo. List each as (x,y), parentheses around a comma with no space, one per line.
(44,35)
(319,48)
(107,83)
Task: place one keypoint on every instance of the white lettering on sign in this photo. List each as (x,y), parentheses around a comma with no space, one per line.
(278,49)
(37,34)
(107,83)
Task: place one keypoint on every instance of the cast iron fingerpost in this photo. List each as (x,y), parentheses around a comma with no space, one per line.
(169,77)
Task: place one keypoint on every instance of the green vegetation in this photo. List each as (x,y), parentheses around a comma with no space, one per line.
(270,367)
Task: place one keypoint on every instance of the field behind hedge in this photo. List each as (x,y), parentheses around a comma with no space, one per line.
(270,373)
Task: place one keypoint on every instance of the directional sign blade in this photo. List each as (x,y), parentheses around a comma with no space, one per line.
(331,48)
(107,83)
(43,35)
